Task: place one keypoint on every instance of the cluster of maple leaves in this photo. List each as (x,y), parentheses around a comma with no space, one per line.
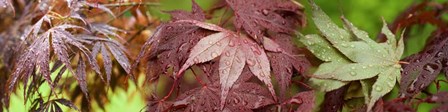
(241,69)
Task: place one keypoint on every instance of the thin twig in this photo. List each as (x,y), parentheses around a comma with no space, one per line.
(122,13)
(131,4)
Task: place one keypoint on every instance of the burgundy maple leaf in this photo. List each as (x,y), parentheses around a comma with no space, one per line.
(424,67)
(284,60)
(170,44)
(257,17)
(244,96)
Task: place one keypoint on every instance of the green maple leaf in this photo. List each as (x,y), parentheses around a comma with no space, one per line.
(350,55)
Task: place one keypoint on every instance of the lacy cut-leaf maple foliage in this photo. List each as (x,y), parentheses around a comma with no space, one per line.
(54,42)
(188,41)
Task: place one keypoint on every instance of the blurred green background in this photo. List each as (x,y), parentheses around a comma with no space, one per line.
(365,14)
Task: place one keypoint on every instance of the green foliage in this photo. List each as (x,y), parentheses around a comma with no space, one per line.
(350,55)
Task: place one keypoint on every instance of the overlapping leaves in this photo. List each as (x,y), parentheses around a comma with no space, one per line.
(51,39)
(257,17)
(244,96)
(187,41)
(235,52)
(350,55)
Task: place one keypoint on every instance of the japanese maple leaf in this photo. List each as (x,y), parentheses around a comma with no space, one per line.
(235,51)
(244,96)
(170,44)
(353,56)
(425,66)
(38,55)
(258,16)
(284,60)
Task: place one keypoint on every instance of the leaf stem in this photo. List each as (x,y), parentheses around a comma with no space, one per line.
(403,62)
(303,84)
(175,83)
(198,79)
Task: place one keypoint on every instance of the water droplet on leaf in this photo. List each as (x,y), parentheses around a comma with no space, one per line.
(378,88)
(214,54)
(250,62)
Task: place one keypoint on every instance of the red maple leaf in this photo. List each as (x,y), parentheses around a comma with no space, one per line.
(258,16)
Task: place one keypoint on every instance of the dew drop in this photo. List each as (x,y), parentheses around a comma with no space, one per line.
(364,67)
(214,54)
(353,68)
(279,49)
(250,62)
(231,44)
(370,65)
(344,45)
(256,51)
(378,88)
(325,84)
(353,73)
(245,41)
(390,84)
(196,60)
(224,71)
(390,78)
(236,101)
(417,60)
(378,50)
(429,68)
(210,42)
(262,74)
(309,43)
(439,54)
(265,12)
(244,102)
(227,63)
(238,59)
(227,54)
(218,43)
(353,46)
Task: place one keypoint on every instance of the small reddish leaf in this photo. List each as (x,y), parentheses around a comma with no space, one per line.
(334,100)
(81,77)
(107,62)
(196,13)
